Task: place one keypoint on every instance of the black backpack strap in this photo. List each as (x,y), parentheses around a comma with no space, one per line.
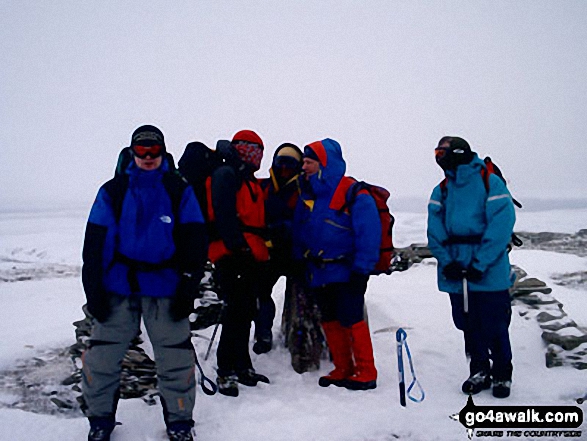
(175,186)
(116,189)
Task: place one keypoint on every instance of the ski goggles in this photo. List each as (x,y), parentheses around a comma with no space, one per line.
(286,162)
(439,152)
(142,151)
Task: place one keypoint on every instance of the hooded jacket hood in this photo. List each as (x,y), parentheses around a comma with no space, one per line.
(332,166)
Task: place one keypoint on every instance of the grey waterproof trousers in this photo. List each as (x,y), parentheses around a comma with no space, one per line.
(174,357)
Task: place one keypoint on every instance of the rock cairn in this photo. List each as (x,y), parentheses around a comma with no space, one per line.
(138,376)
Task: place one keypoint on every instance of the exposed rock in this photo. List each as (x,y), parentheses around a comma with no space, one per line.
(573,338)
(555,325)
(575,243)
(572,280)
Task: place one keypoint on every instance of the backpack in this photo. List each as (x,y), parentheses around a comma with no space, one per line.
(380,195)
(116,187)
(197,163)
(491,169)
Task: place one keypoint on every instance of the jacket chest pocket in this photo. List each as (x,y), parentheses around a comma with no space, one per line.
(337,225)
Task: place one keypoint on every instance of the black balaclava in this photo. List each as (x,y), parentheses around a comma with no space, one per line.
(458,153)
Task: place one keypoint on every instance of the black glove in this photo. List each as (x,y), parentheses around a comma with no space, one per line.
(99,307)
(243,260)
(359,281)
(473,274)
(297,269)
(454,271)
(182,304)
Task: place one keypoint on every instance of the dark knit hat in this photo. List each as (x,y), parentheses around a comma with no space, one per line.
(147,135)
(459,152)
(310,153)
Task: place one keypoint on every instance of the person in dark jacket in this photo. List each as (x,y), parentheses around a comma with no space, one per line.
(340,249)
(281,195)
(143,255)
(236,209)
(469,229)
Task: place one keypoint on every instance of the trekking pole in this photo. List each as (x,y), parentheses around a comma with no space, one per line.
(465,295)
(207,390)
(466,316)
(401,337)
(215,331)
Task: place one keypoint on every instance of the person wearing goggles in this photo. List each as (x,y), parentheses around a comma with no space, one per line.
(144,251)
(281,190)
(469,230)
(148,153)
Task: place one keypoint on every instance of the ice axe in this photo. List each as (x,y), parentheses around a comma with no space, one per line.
(401,337)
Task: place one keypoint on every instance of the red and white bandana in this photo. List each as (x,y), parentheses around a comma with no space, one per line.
(250,153)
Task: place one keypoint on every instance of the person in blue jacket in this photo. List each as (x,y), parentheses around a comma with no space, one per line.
(470,222)
(143,256)
(339,249)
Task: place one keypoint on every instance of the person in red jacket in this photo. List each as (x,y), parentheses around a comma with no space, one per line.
(236,210)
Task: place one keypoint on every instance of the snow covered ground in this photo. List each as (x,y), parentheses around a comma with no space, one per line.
(41,295)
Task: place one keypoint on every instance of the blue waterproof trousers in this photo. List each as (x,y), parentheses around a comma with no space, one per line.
(485,329)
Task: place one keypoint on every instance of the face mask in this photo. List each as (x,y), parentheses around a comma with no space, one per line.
(450,158)
(250,153)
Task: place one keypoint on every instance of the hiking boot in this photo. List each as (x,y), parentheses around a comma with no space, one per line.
(337,378)
(501,388)
(180,431)
(476,383)
(100,428)
(249,377)
(262,346)
(352,383)
(227,385)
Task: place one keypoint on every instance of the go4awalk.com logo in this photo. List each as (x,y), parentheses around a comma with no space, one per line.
(520,421)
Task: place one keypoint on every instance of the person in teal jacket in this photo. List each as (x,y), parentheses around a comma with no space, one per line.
(339,249)
(470,222)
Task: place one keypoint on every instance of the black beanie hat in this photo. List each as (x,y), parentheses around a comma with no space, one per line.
(147,135)
(458,153)
(310,153)
(457,143)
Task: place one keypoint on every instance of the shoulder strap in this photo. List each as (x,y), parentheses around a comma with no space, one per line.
(339,198)
(116,189)
(175,186)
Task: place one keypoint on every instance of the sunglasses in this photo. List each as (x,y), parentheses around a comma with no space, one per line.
(142,151)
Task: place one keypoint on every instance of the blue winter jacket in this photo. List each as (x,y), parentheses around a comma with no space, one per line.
(333,243)
(465,208)
(148,231)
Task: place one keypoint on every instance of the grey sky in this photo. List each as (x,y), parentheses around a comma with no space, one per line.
(386,79)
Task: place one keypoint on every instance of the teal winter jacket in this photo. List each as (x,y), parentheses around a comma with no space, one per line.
(466,211)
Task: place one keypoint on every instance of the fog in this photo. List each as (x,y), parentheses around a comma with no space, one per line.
(387,79)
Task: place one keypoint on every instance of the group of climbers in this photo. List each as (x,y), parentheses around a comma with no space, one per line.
(147,242)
